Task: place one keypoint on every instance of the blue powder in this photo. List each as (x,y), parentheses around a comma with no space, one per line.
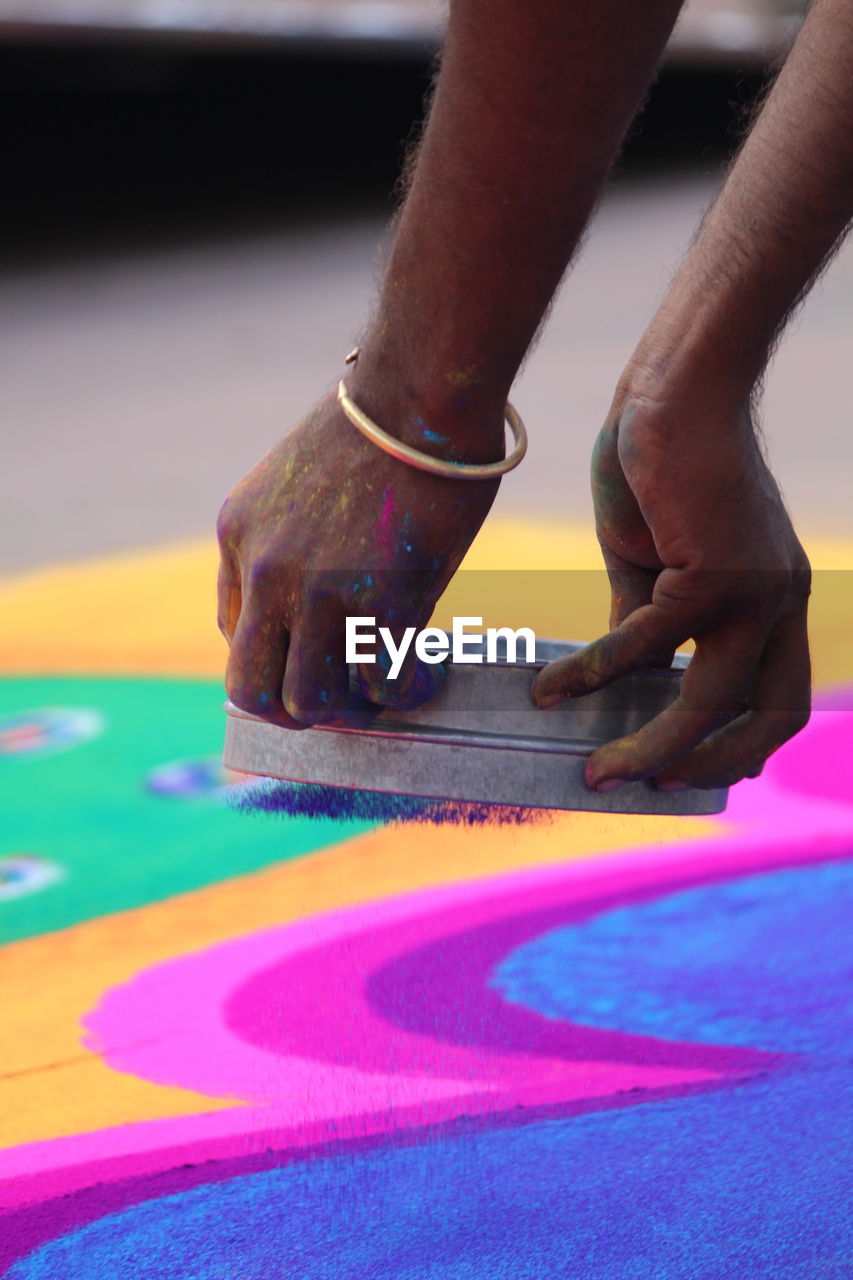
(746,1182)
(333,804)
(429,434)
(727,975)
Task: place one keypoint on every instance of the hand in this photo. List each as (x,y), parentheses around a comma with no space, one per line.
(325,526)
(697,544)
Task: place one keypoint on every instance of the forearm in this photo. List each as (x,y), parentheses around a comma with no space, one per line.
(784,206)
(531,106)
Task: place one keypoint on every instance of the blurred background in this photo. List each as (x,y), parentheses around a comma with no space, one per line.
(196,192)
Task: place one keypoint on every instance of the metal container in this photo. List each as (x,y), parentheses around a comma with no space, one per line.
(480,738)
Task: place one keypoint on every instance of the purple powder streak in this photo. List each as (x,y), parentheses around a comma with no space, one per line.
(337,804)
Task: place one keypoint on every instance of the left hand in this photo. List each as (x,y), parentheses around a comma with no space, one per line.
(697,544)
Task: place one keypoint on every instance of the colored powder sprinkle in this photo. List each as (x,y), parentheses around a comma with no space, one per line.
(332,804)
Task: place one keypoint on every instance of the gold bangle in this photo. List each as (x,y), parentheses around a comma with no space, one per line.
(424,461)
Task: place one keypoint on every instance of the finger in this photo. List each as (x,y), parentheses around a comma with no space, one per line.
(618,514)
(781,702)
(316,677)
(256,662)
(228,595)
(715,688)
(631,588)
(414,681)
(642,640)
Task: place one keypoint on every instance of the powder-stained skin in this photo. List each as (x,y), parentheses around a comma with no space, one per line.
(324,527)
(677,573)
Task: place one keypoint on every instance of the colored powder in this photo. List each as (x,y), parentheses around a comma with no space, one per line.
(743,1180)
(149,779)
(384,533)
(333,804)
(697,1188)
(731,972)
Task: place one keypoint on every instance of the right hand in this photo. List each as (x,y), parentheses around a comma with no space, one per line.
(325,526)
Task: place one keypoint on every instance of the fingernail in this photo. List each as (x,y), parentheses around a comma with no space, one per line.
(675,785)
(610,784)
(549,700)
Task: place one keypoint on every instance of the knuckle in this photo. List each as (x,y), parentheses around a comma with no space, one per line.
(399,692)
(660,657)
(604,449)
(228,608)
(786,722)
(320,596)
(384,692)
(738,702)
(748,762)
(730,772)
(226,523)
(264,571)
(801,581)
(308,707)
(797,720)
(257,702)
(727,711)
